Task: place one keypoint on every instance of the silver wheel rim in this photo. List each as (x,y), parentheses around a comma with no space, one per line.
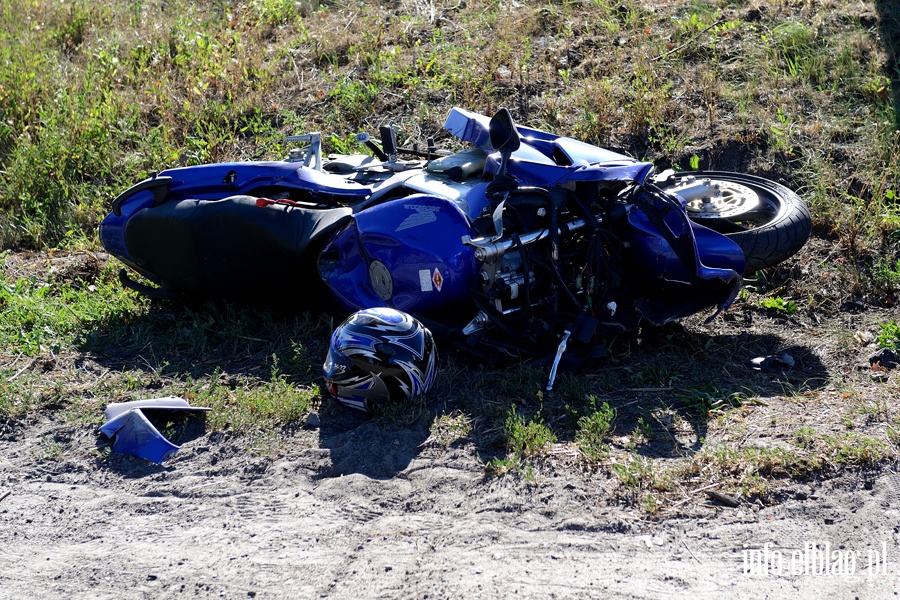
(729,200)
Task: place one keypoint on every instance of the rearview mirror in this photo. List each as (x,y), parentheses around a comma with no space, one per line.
(504,137)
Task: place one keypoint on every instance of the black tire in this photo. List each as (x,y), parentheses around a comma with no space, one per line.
(769,232)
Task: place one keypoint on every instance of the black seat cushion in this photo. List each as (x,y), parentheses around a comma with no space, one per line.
(233,249)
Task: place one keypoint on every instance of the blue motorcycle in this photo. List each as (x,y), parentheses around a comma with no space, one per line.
(525,244)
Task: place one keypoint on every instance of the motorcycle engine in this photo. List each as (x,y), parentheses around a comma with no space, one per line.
(531,259)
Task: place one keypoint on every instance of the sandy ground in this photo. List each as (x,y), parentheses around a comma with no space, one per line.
(360,508)
(352,510)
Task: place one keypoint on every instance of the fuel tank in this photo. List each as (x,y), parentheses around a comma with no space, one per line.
(405,254)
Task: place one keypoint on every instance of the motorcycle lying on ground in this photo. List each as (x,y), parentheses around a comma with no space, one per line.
(526,244)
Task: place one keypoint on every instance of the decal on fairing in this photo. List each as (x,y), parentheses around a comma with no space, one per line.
(424,214)
(425,280)
(438,280)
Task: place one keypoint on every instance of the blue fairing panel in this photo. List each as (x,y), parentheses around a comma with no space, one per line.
(470,127)
(474,128)
(580,153)
(542,174)
(546,159)
(211,182)
(405,254)
(134,434)
(715,251)
(112,228)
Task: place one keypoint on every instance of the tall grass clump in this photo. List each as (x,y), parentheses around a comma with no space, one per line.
(92,98)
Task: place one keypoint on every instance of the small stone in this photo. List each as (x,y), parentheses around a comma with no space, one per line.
(759,363)
(787,360)
(864,337)
(312,420)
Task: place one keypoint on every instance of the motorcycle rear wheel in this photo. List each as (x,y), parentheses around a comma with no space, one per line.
(768,221)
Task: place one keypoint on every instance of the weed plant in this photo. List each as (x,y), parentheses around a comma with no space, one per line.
(592,432)
(889,337)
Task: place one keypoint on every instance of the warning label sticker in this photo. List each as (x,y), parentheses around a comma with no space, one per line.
(438,280)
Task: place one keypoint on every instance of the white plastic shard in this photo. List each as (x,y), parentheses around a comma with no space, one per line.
(167,403)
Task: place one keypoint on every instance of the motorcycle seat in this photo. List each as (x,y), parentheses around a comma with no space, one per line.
(231,248)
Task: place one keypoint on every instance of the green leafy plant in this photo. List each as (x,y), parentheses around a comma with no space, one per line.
(634,473)
(592,432)
(527,437)
(886,273)
(889,336)
(779,305)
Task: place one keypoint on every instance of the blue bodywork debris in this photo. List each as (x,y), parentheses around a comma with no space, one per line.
(134,434)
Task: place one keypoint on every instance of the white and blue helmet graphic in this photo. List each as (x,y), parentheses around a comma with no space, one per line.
(379,355)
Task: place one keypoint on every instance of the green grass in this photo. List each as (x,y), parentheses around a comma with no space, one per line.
(40,316)
(183,352)
(755,469)
(592,432)
(272,403)
(708,398)
(92,99)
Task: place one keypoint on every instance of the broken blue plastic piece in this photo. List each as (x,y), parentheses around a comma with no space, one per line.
(135,434)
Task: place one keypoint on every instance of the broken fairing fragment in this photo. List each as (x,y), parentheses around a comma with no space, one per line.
(167,403)
(133,432)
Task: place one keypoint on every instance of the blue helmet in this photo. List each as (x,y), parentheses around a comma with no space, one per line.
(379,355)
